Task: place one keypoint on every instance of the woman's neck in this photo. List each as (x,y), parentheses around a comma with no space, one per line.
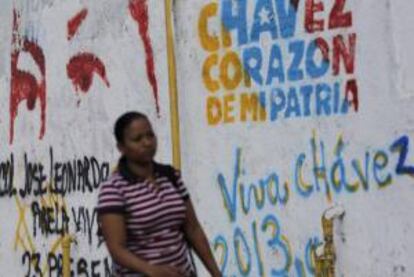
(143,170)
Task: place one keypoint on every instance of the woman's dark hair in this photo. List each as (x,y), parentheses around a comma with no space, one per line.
(123,122)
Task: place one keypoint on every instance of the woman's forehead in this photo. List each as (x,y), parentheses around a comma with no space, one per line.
(138,126)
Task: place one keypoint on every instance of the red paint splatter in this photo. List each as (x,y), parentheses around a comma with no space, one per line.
(311,24)
(346,52)
(351,90)
(139,12)
(338,18)
(75,22)
(324,47)
(23,85)
(80,70)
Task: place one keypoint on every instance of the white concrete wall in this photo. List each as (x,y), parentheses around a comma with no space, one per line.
(78,124)
(364,154)
(226,159)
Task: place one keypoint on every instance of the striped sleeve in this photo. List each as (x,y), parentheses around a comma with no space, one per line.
(110,198)
(181,188)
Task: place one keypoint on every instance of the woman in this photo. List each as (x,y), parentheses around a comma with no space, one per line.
(145,213)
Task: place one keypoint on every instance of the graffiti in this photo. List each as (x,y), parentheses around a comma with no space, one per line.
(77,175)
(48,214)
(23,85)
(80,70)
(81,66)
(260,82)
(35,178)
(263,239)
(24,239)
(343,174)
(22,234)
(53,219)
(81,175)
(241,197)
(278,20)
(338,17)
(49,219)
(75,22)
(244,195)
(139,12)
(314,171)
(85,220)
(321,99)
(50,192)
(401,146)
(7,168)
(317,170)
(82,266)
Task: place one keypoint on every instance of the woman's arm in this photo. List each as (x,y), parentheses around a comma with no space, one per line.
(113,229)
(196,236)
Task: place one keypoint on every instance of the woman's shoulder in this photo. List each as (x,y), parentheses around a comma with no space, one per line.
(114,179)
(166,169)
(163,165)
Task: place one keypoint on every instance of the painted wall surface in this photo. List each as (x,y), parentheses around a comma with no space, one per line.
(289,108)
(68,69)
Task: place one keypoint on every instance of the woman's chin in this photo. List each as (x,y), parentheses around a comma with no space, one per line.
(144,161)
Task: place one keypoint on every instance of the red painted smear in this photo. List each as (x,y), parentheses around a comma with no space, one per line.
(338,18)
(80,70)
(311,24)
(347,53)
(324,47)
(351,90)
(139,12)
(23,85)
(75,22)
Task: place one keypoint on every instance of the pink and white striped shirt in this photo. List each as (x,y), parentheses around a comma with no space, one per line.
(154,216)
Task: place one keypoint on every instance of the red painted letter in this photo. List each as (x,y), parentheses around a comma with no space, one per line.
(351,90)
(311,24)
(346,52)
(338,18)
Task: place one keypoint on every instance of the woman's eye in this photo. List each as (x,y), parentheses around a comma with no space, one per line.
(138,138)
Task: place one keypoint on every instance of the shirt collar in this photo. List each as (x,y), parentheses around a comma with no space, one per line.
(131,177)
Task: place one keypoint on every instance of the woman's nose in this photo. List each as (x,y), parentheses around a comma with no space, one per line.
(148,140)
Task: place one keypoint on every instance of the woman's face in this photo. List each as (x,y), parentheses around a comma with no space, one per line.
(140,143)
